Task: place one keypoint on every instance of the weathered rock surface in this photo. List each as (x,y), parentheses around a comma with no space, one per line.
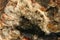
(34,17)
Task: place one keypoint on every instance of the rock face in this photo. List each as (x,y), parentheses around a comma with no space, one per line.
(31,16)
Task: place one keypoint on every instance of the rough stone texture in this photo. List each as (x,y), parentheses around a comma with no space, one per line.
(29,19)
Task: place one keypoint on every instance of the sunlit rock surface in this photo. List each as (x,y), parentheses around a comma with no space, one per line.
(18,15)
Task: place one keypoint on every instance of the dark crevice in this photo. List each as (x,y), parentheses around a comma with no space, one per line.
(34,29)
(43,2)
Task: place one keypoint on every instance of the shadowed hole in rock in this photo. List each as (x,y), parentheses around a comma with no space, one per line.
(30,29)
(34,29)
